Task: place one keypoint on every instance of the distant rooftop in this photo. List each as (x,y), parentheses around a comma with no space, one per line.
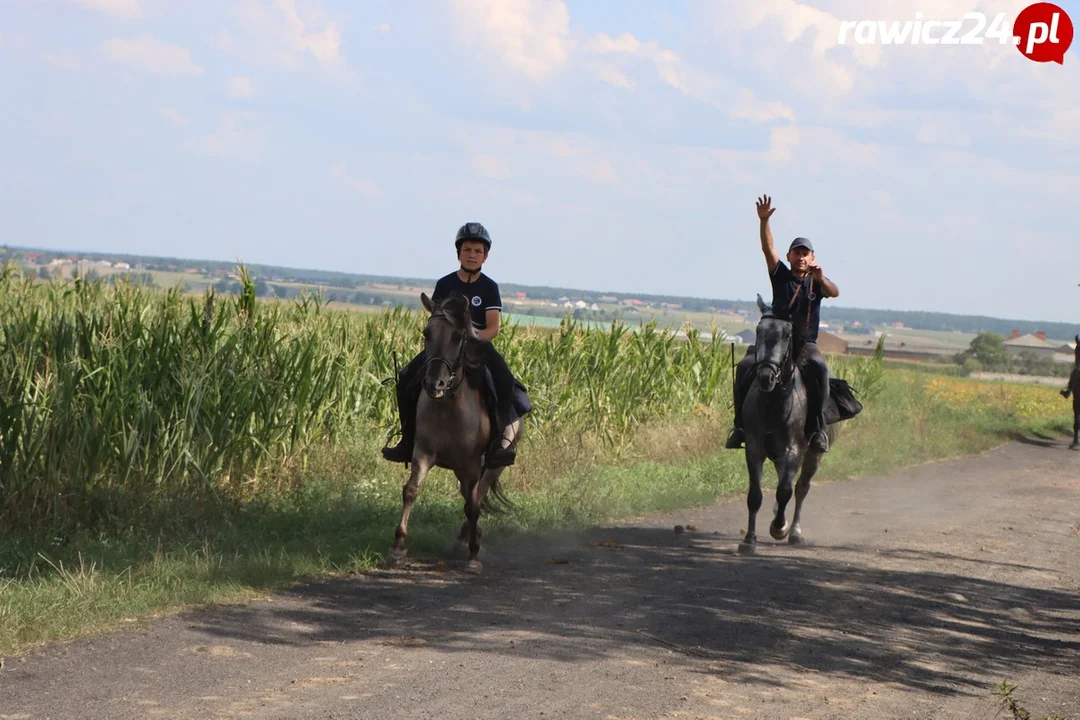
(1030,341)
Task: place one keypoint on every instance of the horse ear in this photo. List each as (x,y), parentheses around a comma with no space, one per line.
(761,304)
(427,302)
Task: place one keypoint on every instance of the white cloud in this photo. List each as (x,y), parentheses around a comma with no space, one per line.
(782,140)
(362,186)
(64,62)
(240,88)
(748,107)
(229,139)
(490,166)
(611,75)
(933,134)
(530,36)
(385,27)
(127,8)
(281,34)
(172,116)
(150,55)
(709,88)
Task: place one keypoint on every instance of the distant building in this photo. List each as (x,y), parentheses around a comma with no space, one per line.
(746,337)
(831,344)
(1035,343)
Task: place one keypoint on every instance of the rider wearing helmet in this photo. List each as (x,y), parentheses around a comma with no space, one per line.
(797,295)
(473,244)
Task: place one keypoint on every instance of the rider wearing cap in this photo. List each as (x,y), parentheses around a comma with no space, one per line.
(473,244)
(797,295)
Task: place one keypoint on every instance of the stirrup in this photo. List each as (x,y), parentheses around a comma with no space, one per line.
(820,441)
(735,439)
(398,453)
(499,456)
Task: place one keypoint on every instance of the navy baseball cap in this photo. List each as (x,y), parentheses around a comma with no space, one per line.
(801,242)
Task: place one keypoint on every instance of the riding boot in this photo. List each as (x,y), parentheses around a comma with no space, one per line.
(816,374)
(501,452)
(408,396)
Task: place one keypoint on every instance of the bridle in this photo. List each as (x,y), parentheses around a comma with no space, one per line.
(786,366)
(457,374)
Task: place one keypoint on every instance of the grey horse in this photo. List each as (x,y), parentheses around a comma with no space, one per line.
(774,420)
(453,424)
(1073,388)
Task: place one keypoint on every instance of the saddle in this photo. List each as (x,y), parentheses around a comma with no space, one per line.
(520,406)
(843,404)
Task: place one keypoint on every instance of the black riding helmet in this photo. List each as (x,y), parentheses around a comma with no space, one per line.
(472,231)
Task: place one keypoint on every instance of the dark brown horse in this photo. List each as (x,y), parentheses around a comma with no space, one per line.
(453,425)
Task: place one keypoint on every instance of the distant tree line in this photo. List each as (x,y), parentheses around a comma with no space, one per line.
(835,316)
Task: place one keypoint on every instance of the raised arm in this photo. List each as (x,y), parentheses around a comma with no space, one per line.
(764,212)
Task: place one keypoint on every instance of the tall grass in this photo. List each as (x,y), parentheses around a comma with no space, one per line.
(121,404)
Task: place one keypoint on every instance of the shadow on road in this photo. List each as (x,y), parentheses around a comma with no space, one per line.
(1039,439)
(825,609)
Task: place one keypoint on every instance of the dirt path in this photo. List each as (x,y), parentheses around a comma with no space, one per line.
(920,592)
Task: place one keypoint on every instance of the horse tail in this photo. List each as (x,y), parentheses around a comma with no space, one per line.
(495,502)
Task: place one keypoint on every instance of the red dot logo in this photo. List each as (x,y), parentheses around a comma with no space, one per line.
(1043,32)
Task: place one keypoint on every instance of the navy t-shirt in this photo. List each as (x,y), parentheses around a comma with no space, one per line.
(483,294)
(806,307)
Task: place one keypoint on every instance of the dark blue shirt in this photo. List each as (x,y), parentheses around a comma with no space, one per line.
(483,294)
(798,300)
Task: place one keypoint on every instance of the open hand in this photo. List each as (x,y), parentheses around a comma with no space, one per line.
(764,207)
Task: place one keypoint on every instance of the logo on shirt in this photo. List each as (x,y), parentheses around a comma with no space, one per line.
(476,301)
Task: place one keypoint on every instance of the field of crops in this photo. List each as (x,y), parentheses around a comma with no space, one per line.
(159,450)
(113,398)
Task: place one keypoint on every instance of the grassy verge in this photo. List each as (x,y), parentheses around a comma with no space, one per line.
(340,512)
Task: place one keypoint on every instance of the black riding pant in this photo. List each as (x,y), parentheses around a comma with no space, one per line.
(815,372)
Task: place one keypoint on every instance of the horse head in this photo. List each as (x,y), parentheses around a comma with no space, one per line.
(772,348)
(446,339)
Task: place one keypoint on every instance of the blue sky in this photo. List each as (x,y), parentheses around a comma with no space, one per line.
(610,145)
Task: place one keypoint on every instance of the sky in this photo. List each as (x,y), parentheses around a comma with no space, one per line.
(613,145)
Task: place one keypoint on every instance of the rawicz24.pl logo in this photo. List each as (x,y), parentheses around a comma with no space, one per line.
(1041,32)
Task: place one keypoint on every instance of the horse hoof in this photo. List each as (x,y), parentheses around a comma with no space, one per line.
(778,533)
(1074,446)
(396,558)
(746,548)
(796,540)
(458,549)
(474,567)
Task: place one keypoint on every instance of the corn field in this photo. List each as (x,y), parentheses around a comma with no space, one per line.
(116,395)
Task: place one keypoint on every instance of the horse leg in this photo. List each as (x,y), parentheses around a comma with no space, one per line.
(1076,423)
(779,527)
(409,493)
(802,489)
(754,465)
(471,481)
